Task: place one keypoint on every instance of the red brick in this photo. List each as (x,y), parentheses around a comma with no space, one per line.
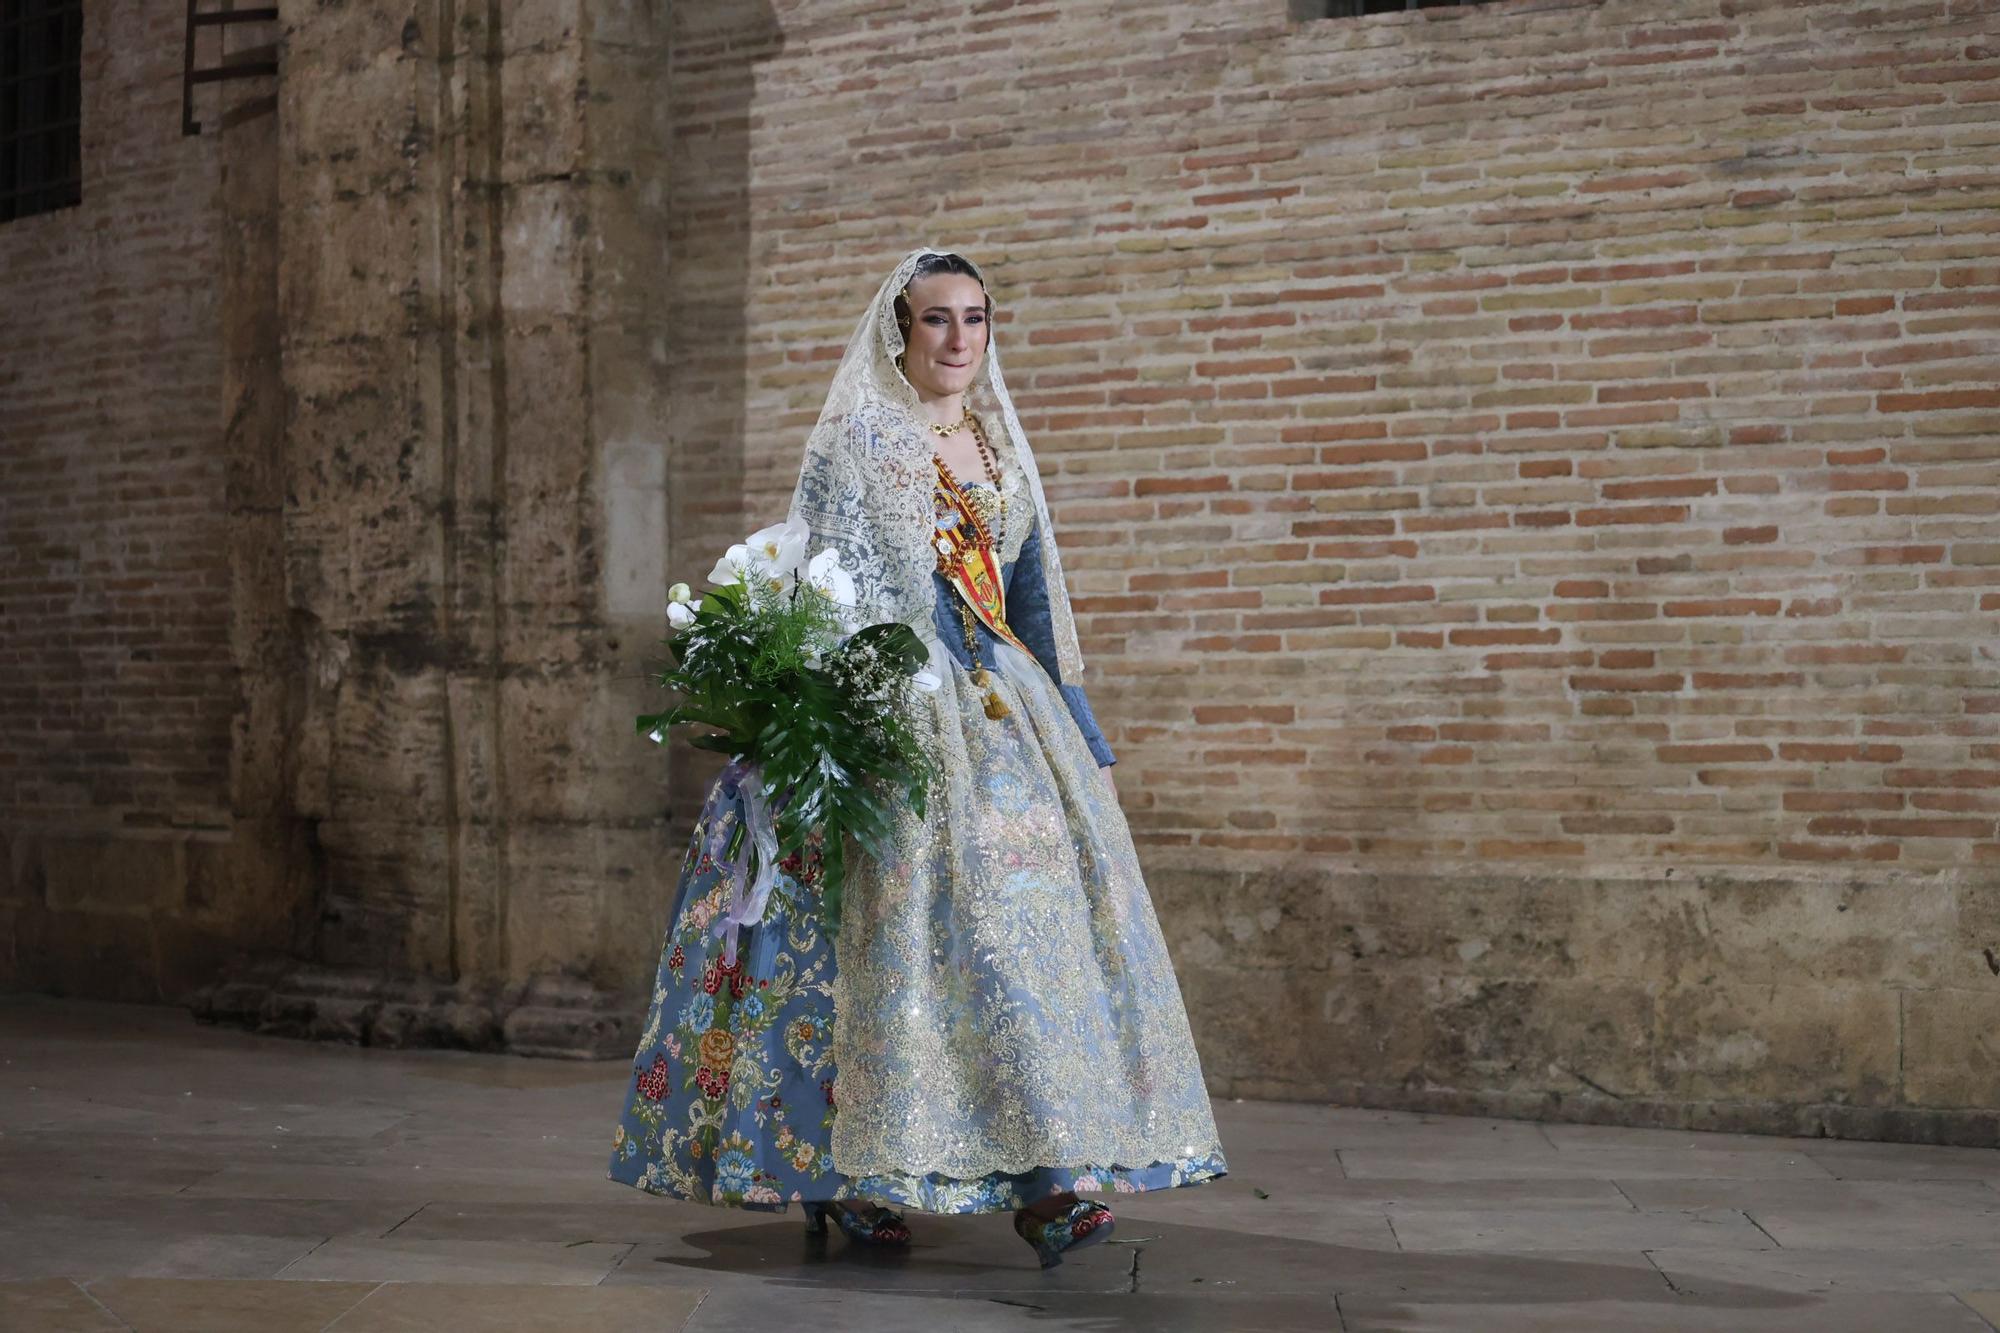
(1726,607)
(1942,400)
(1663,489)
(1839,851)
(1667,682)
(1839,753)
(1930,828)
(1589,518)
(1747,680)
(1622,825)
(1219,714)
(1494,638)
(1179,485)
(1720,753)
(1843,800)
(1386,593)
(1942,777)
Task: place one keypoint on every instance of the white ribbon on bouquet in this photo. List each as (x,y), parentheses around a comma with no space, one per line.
(748,895)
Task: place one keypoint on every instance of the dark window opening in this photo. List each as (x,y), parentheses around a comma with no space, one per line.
(41,100)
(1354,9)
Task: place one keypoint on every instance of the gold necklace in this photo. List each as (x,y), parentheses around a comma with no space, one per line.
(956,426)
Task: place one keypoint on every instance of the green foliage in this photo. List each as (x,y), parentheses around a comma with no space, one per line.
(765,674)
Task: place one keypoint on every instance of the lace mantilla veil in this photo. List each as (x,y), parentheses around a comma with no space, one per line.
(866,480)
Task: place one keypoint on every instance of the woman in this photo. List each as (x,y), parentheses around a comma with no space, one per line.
(996,1025)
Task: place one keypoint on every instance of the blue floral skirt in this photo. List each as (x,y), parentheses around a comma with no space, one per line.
(734,1091)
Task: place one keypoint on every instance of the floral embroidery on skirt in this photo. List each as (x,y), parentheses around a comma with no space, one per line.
(734,1095)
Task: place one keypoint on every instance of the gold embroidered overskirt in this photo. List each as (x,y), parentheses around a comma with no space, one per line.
(1003,997)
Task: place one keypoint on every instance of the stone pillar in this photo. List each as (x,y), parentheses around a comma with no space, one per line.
(474,526)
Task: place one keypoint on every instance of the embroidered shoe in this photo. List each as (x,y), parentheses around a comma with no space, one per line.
(1086,1222)
(880,1226)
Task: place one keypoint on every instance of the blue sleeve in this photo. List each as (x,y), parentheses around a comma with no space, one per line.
(1028,617)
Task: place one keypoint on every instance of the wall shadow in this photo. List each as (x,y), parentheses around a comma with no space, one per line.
(715,48)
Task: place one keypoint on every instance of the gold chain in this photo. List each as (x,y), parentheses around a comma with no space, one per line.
(956,426)
(996,707)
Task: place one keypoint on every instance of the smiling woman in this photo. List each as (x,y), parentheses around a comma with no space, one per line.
(996,1024)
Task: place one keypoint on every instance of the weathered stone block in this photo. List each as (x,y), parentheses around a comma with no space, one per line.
(527,25)
(1797,1042)
(641,24)
(542,99)
(1539,1035)
(137,876)
(255,879)
(544,225)
(392,724)
(1951,1053)
(107,956)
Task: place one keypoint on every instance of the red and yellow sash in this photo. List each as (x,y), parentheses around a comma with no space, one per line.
(968,561)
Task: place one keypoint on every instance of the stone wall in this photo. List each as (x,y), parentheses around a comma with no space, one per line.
(1526,472)
(1527,475)
(388,509)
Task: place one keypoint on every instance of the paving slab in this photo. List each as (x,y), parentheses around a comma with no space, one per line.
(1825,1271)
(1914,1313)
(54,1305)
(270,1184)
(1903,1161)
(391,1260)
(168,1305)
(1611,1163)
(464,1307)
(1883,1216)
(1526,1232)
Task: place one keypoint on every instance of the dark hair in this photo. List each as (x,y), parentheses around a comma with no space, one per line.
(930,266)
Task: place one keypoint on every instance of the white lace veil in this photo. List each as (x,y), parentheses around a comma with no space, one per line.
(866,480)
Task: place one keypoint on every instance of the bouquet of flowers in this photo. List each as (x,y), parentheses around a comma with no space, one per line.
(811,708)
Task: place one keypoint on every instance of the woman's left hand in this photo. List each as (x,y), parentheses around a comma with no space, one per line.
(1109,781)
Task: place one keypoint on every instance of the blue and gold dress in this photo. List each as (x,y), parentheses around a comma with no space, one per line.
(1006,963)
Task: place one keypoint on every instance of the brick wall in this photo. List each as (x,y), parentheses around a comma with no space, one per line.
(140,839)
(1527,475)
(114,609)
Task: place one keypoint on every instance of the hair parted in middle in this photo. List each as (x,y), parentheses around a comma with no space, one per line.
(930,266)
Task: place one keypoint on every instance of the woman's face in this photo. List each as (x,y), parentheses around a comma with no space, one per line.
(947,338)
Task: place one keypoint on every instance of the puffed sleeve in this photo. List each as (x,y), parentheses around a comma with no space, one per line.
(1028,616)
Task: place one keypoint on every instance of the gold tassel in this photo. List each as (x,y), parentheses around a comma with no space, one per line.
(996,707)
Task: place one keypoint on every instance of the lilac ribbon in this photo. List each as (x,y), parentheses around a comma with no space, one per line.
(747,896)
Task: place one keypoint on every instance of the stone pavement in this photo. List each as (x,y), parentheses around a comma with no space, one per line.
(157,1175)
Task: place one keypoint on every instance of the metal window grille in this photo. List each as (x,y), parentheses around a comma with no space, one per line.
(41,98)
(1354,9)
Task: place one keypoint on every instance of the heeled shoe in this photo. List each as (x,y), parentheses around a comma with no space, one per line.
(1084,1223)
(883,1227)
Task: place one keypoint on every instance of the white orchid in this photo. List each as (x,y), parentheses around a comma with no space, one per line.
(730,568)
(769,555)
(825,575)
(681,606)
(778,549)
